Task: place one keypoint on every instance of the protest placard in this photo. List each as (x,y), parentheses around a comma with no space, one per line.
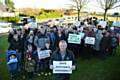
(102,23)
(43,54)
(62,67)
(74,38)
(116,24)
(76,23)
(90,40)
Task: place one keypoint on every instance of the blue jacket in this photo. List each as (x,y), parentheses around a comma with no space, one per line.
(41,40)
(13,66)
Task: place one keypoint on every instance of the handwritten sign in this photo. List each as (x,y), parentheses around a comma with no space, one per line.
(116,24)
(103,24)
(43,54)
(90,40)
(74,38)
(62,67)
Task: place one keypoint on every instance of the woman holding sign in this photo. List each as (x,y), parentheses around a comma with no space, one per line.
(62,62)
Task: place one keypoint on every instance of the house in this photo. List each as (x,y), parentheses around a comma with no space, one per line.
(2,7)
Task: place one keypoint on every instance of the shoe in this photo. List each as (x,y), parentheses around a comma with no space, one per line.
(23,77)
(39,74)
(49,73)
(42,73)
(46,74)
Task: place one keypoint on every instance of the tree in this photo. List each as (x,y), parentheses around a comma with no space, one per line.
(79,5)
(2,7)
(107,5)
(10,5)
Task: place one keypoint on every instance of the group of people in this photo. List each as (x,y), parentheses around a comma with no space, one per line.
(29,42)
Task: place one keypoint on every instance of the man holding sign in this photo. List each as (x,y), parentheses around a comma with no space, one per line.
(62,62)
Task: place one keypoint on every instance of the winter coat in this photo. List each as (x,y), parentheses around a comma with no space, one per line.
(56,56)
(41,40)
(29,65)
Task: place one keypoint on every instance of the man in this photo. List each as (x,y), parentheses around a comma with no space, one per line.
(105,44)
(62,54)
(40,40)
(53,38)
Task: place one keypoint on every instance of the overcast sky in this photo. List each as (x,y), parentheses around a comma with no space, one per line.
(57,4)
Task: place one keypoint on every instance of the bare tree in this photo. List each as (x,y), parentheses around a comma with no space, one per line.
(107,5)
(10,5)
(2,6)
(79,5)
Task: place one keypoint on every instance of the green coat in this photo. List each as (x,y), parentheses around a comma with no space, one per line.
(29,66)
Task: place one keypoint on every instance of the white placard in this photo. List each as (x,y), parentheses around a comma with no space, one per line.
(103,24)
(43,54)
(62,67)
(74,38)
(116,24)
(77,23)
(90,40)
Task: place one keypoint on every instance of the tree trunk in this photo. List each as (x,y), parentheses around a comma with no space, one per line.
(105,14)
(117,18)
(78,15)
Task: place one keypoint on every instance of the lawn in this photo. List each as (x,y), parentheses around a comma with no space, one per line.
(94,69)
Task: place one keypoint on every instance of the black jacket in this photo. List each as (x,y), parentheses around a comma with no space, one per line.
(14,45)
(56,56)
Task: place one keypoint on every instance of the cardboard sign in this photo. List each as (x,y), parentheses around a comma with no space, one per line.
(43,54)
(116,24)
(90,40)
(77,23)
(74,38)
(62,67)
(102,23)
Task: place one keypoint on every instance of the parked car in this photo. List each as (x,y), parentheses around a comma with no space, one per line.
(5,27)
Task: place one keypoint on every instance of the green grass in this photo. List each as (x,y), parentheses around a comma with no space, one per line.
(3,48)
(94,69)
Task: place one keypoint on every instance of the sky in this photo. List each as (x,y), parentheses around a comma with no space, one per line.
(57,4)
(49,4)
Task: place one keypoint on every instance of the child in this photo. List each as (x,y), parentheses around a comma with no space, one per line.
(29,51)
(115,44)
(13,59)
(43,63)
(47,71)
(29,67)
(13,65)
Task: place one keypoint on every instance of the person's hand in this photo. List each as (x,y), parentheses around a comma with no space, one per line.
(51,67)
(38,49)
(16,50)
(107,50)
(27,51)
(47,45)
(73,67)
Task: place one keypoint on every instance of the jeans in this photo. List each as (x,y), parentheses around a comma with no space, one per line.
(42,65)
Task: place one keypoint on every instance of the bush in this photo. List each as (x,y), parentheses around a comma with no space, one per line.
(49,15)
(10,19)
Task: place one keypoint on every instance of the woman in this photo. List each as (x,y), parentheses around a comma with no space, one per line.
(14,43)
(60,36)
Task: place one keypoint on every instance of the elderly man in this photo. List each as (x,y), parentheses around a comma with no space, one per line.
(62,54)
